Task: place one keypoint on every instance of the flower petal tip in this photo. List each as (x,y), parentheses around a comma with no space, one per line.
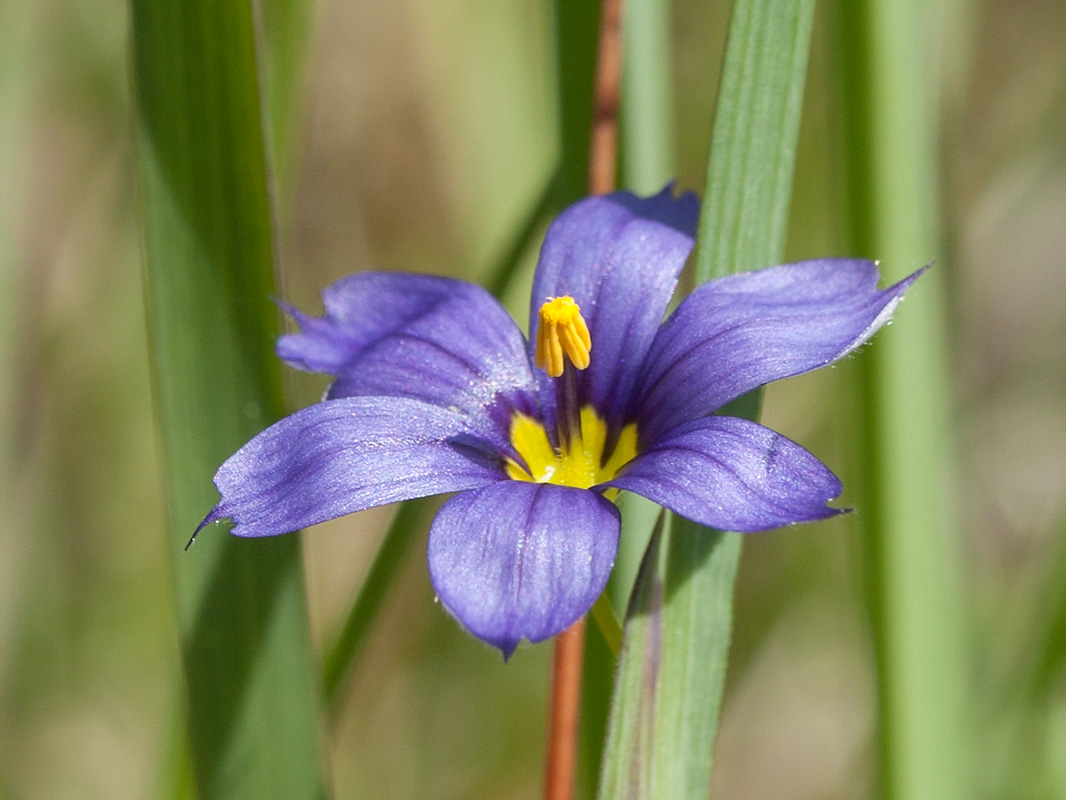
(214,515)
(829,512)
(678,211)
(907,282)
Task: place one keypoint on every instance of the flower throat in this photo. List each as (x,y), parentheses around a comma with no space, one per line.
(563,347)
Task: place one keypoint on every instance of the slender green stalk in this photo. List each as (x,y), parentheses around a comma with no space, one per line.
(409,522)
(630,738)
(1023,703)
(576,27)
(16,47)
(284,31)
(14,89)
(16,44)
(539,213)
(889,144)
(176,775)
(664,721)
(1044,642)
(599,665)
(647,97)
(206,215)
(744,217)
(607,622)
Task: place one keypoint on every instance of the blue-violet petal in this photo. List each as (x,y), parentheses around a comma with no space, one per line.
(732,474)
(341,456)
(439,340)
(734,334)
(518,560)
(619,257)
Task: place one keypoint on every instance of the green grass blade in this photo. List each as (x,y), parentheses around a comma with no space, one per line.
(596,675)
(647,123)
(16,83)
(576,31)
(285,33)
(17,44)
(744,217)
(630,735)
(537,217)
(1022,705)
(1045,642)
(206,216)
(906,487)
(743,222)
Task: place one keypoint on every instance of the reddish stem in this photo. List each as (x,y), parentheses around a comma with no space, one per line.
(603,149)
(561,757)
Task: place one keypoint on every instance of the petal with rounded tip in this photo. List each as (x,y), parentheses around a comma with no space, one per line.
(518,560)
(618,256)
(438,340)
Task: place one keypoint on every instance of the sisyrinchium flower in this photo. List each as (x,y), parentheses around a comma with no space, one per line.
(437,390)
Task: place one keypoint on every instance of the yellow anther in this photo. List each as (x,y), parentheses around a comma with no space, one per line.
(561,333)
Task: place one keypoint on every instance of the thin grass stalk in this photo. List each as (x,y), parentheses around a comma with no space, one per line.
(406,526)
(577,25)
(743,225)
(647,121)
(16,47)
(906,485)
(17,42)
(284,31)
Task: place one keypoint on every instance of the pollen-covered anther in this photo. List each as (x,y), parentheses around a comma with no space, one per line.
(561,334)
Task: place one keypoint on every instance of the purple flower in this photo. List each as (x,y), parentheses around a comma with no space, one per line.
(437,390)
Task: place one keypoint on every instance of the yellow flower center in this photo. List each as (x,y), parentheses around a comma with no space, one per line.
(581,463)
(561,333)
(580,460)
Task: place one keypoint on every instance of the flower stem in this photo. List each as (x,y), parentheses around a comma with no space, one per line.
(603,149)
(561,757)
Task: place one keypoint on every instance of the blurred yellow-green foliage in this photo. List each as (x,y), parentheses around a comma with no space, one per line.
(424,131)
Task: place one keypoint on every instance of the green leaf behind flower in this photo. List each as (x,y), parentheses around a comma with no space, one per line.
(206,214)
(672,672)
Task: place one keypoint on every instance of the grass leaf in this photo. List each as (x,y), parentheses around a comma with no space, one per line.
(208,247)
(906,481)
(671,676)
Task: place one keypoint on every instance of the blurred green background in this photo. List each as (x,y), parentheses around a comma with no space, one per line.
(424,132)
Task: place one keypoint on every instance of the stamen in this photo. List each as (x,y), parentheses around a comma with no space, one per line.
(561,334)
